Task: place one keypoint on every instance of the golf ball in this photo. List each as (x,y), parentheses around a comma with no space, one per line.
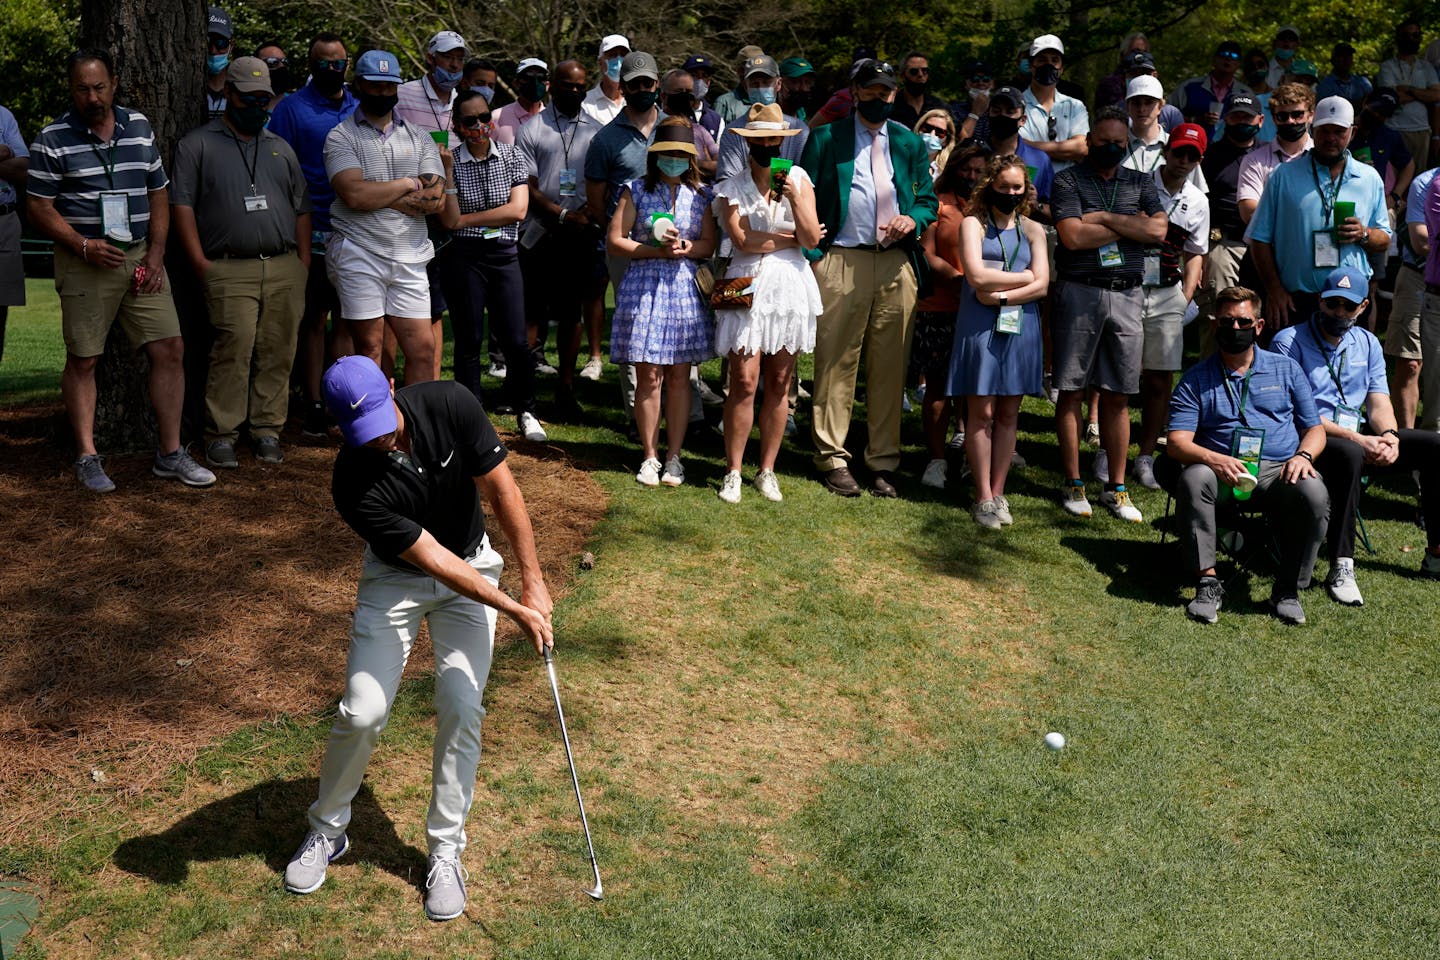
(1055,741)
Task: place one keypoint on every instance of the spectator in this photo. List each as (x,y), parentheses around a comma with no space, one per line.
(281,80)
(1257,73)
(996,358)
(444,572)
(1007,112)
(387,176)
(735,150)
(532,82)
(14,167)
(841,103)
(937,129)
(1054,123)
(481,76)
(1146,150)
(979,83)
(304,121)
(1287,42)
(242,216)
(108,215)
(564,271)
(605,102)
(661,325)
(221,42)
(934,335)
(1297,236)
(1302,71)
(1110,91)
(875,198)
(736,103)
(1247,411)
(1347,375)
(1105,215)
(797,87)
(701,69)
(1403,336)
(677,99)
(1292,107)
(1221,167)
(1430,314)
(768,230)
(1142,65)
(1201,100)
(1172,275)
(1385,150)
(916,98)
(1418,86)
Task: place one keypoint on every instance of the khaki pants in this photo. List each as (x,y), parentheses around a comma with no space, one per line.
(1418,143)
(1222,269)
(869,299)
(255,308)
(1429,418)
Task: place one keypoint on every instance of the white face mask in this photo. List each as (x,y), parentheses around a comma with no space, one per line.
(977,94)
(701,88)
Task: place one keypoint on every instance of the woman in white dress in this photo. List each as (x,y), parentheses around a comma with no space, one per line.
(767,229)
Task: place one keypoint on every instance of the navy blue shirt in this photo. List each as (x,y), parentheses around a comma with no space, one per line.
(1279,401)
(304,119)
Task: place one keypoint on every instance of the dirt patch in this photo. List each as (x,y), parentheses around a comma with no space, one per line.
(142,625)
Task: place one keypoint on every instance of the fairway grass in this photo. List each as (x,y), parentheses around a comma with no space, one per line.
(814,729)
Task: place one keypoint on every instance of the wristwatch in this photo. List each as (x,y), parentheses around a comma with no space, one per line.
(1305,454)
(1004,298)
(1391,430)
(563,211)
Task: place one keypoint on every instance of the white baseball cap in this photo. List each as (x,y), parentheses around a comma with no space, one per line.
(1145,86)
(1288,28)
(532,63)
(613,41)
(1047,42)
(445,41)
(1334,112)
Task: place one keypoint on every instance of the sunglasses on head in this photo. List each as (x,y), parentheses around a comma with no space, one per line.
(475,121)
(339,65)
(977,144)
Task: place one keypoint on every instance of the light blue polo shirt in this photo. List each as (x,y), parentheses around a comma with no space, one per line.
(1279,402)
(1291,211)
(1347,373)
(1415,209)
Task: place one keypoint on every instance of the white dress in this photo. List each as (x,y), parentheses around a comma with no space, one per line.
(787,298)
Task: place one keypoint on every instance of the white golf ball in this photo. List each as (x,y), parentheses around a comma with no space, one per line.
(1055,741)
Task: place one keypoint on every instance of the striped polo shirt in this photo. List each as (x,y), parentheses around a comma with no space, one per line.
(71,166)
(1080,190)
(403,151)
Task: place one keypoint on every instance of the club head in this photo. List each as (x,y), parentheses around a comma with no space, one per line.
(596,893)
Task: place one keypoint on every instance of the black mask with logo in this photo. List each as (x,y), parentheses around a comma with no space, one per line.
(1233,341)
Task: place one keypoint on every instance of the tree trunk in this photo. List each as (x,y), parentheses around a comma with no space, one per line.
(159,51)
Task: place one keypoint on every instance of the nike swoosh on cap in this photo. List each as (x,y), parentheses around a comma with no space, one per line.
(357,403)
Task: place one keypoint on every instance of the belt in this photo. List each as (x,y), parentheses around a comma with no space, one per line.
(1106,283)
(1412,266)
(872,247)
(7,208)
(251,256)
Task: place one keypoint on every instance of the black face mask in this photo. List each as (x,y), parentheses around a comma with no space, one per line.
(1234,341)
(567,101)
(1242,132)
(248,120)
(679,104)
(915,88)
(281,81)
(328,82)
(1408,46)
(1003,128)
(641,102)
(1333,325)
(1047,75)
(763,155)
(375,105)
(1290,132)
(964,186)
(875,111)
(1257,76)
(1004,202)
(534,90)
(1107,156)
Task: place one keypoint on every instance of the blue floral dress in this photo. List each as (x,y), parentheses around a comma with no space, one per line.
(659,315)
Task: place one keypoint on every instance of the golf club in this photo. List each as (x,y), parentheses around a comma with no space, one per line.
(596,892)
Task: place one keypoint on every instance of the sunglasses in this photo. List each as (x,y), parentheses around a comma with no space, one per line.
(1050,130)
(1340,304)
(219,42)
(274,62)
(1239,323)
(1290,115)
(940,132)
(975,143)
(1228,55)
(475,121)
(918,71)
(338,65)
(980,78)
(253,99)
(1186,156)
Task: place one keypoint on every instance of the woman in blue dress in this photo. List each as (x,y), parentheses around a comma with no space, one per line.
(662,324)
(997,356)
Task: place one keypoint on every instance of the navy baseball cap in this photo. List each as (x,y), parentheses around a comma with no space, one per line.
(1347,282)
(699,62)
(220,23)
(357,394)
(1016,98)
(381,66)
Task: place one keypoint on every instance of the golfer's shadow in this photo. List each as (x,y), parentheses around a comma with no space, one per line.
(269,820)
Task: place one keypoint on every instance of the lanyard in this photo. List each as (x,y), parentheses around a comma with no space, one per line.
(1007,259)
(109,164)
(1326,354)
(1153,163)
(250,166)
(440,127)
(1114,192)
(1326,207)
(1238,405)
(574,132)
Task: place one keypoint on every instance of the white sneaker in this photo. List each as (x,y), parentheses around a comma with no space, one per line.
(1102,465)
(1002,510)
(649,475)
(768,486)
(934,475)
(532,429)
(1342,586)
(984,514)
(1117,501)
(674,474)
(1145,471)
(497,370)
(905,401)
(1092,433)
(1072,497)
(592,368)
(544,369)
(730,487)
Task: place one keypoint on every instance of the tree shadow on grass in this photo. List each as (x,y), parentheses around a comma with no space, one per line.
(266,820)
(1144,571)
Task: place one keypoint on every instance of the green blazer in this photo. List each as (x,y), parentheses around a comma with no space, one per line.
(829,159)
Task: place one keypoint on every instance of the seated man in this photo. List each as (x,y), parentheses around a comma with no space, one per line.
(1246,411)
(1347,375)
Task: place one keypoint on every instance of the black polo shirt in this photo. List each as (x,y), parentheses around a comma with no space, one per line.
(1222,171)
(1080,190)
(388,497)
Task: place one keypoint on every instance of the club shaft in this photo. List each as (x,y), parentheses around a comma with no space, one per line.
(570,759)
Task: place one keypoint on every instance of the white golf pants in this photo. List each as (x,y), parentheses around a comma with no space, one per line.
(389,606)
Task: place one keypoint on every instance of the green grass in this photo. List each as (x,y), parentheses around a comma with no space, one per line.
(34,349)
(813,729)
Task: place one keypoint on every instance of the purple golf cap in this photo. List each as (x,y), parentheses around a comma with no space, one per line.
(357,395)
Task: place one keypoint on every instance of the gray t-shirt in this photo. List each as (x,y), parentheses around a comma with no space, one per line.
(213,174)
(405,151)
(551,143)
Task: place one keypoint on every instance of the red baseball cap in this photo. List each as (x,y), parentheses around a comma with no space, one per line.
(1189,135)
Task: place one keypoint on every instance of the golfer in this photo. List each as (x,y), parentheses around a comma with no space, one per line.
(407,481)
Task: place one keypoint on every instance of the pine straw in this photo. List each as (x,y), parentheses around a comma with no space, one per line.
(142,625)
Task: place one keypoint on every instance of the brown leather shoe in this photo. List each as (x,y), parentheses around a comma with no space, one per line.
(882,484)
(841,483)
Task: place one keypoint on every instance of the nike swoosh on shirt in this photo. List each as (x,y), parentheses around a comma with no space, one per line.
(446,462)
(356,404)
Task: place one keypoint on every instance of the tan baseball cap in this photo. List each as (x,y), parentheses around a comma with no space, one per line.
(250,75)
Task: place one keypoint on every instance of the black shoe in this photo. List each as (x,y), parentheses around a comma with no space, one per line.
(316,425)
(567,409)
(882,484)
(840,482)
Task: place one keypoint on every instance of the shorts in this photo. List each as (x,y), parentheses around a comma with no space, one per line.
(12,264)
(371,286)
(1402,333)
(1162,317)
(1098,338)
(93,298)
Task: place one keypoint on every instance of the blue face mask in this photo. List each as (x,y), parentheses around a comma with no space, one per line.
(446,79)
(217,63)
(1025,66)
(672,166)
(487,92)
(612,68)
(932,142)
(763,95)
(1282,54)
